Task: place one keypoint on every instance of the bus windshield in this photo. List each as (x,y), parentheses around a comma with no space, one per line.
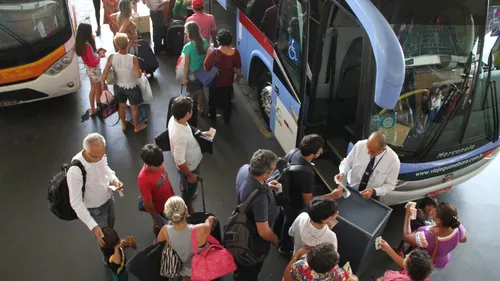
(25,22)
(438,39)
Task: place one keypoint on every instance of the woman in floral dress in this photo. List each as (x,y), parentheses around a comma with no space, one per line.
(110,8)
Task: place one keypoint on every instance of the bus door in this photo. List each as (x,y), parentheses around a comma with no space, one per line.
(358,62)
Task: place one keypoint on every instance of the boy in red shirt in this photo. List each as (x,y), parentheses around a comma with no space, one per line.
(154,185)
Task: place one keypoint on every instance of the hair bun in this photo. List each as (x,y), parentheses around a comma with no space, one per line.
(455,224)
(176,217)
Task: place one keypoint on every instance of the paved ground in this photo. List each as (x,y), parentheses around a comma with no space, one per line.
(35,139)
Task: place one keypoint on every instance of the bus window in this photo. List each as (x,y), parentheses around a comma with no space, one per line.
(290,35)
(261,13)
(438,47)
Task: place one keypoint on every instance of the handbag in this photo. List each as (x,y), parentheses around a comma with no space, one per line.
(111,78)
(145,265)
(110,107)
(212,262)
(205,143)
(208,77)
(171,264)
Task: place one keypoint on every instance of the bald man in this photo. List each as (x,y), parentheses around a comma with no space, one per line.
(371,167)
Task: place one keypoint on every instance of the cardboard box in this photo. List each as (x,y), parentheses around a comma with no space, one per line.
(142,22)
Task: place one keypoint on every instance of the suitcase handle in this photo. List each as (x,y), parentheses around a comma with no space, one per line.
(200,179)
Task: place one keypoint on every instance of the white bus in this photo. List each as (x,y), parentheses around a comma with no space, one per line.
(37,59)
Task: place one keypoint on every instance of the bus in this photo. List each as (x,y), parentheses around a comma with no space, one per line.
(415,70)
(37,57)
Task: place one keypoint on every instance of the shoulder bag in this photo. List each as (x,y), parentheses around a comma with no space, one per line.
(171,264)
(208,77)
(212,262)
(111,78)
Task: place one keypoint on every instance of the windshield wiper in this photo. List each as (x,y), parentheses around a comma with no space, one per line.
(456,95)
(491,89)
(15,36)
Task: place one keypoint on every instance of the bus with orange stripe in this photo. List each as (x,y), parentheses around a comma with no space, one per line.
(423,72)
(37,58)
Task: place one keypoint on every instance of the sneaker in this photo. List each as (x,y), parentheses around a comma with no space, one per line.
(283,251)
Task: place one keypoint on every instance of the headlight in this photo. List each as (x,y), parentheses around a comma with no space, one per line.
(61,63)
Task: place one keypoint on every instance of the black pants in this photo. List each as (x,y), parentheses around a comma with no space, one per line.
(97,9)
(247,273)
(289,217)
(220,96)
(158,29)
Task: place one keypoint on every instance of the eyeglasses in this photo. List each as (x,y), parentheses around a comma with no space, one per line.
(96,158)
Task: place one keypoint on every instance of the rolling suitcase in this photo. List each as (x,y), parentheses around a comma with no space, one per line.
(174,37)
(200,217)
(148,62)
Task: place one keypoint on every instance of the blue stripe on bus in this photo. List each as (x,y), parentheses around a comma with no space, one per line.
(415,167)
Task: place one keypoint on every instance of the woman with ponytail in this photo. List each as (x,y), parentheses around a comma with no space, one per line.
(194,52)
(439,239)
(178,235)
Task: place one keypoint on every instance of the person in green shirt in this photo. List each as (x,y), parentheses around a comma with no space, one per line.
(194,52)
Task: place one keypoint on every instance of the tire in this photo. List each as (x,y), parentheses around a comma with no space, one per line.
(265,91)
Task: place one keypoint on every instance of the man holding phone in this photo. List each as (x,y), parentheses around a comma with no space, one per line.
(95,208)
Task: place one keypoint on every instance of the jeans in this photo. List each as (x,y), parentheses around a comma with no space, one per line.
(188,189)
(287,241)
(247,273)
(220,96)
(104,215)
(158,29)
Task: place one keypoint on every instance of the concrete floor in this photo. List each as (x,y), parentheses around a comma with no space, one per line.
(35,139)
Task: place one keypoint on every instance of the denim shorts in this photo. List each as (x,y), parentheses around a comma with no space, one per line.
(194,85)
(133,95)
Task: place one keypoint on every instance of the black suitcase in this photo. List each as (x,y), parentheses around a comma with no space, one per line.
(201,217)
(148,60)
(174,35)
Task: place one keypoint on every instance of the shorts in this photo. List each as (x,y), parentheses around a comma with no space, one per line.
(133,95)
(94,73)
(194,85)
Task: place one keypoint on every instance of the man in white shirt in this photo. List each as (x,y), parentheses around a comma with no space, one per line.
(185,148)
(372,167)
(96,207)
(313,227)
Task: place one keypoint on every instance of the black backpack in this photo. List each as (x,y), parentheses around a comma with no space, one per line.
(240,235)
(283,174)
(58,193)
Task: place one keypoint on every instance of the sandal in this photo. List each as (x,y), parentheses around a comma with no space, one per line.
(140,127)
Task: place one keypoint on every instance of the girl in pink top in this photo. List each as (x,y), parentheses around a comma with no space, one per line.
(443,237)
(85,48)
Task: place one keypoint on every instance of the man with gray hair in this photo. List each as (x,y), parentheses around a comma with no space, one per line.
(263,210)
(371,166)
(95,206)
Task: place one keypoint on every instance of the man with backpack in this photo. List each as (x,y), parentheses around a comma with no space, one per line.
(298,185)
(248,234)
(91,197)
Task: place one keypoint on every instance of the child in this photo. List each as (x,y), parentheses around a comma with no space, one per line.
(114,254)
(85,48)
(426,208)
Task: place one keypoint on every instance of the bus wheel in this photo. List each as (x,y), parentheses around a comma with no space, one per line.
(265,91)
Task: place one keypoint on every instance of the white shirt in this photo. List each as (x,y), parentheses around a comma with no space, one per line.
(154,5)
(97,192)
(305,234)
(183,145)
(385,174)
(123,66)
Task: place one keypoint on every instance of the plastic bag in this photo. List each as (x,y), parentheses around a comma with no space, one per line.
(147,94)
(106,97)
(179,69)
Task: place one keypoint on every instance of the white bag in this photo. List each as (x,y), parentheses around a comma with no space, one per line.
(147,94)
(179,69)
(106,97)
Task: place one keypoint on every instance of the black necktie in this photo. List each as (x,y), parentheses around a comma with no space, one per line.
(367,174)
